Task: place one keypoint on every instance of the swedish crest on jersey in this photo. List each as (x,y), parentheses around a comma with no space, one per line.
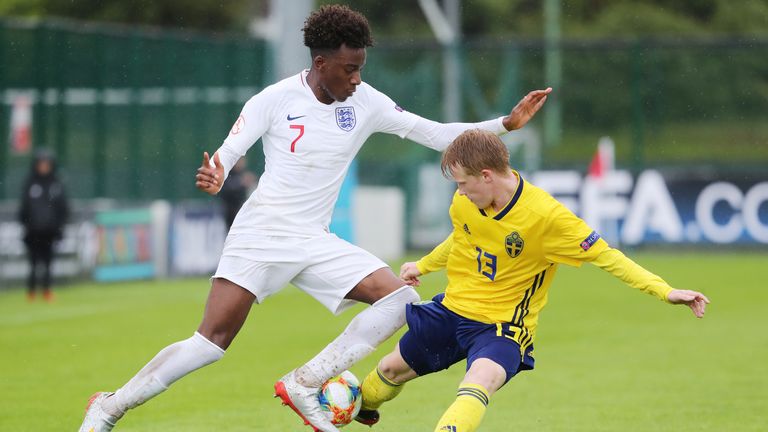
(345,118)
(513,244)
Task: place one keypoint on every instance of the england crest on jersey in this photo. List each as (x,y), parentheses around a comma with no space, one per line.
(345,118)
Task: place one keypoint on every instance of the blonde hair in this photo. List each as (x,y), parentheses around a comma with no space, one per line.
(475,150)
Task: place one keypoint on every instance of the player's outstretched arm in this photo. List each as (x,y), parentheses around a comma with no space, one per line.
(209,178)
(526,109)
(410,273)
(693,299)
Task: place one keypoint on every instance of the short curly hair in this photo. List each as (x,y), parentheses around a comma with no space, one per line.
(327,28)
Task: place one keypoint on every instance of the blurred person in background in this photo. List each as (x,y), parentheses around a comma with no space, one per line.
(43,213)
(235,190)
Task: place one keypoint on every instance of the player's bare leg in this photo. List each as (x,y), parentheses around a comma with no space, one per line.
(225,312)
(387,296)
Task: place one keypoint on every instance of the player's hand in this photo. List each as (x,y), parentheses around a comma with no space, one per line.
(409,273)
(526,109)
(695,300)
(208,178)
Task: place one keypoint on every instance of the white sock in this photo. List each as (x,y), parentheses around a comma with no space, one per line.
(170,364)
(364,333)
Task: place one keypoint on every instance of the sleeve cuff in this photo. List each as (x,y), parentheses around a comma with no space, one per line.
(500,125)
(421,267)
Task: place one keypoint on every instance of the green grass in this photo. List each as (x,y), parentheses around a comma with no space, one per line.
(608,358)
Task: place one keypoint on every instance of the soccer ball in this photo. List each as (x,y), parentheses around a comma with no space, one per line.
(340,398)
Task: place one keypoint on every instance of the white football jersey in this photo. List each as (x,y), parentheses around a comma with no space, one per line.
(308,148)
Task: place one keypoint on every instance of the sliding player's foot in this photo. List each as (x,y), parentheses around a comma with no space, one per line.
(303,401)
(368,417)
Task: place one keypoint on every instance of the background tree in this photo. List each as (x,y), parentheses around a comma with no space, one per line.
(211,15)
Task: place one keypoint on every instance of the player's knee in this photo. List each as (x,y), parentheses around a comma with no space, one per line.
(410,294)
(393,305)
(376,286)
(212,350)
(221,337)
(487,373)
(400,297)
(395,369)
(387,371)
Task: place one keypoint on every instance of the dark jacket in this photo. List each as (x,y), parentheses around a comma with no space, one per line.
(233,192)
(44,209)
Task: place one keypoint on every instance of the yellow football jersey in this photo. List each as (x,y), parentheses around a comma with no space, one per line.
(500,265)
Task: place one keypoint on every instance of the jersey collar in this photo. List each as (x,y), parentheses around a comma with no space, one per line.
(500,215)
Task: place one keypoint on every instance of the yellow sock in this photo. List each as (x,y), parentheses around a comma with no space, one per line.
(377,389)
(466,412)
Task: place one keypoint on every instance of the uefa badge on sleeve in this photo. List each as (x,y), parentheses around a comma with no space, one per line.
(345,118)
(590,241)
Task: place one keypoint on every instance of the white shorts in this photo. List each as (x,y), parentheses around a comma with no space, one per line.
(325,267)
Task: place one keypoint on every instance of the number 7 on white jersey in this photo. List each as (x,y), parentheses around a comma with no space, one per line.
(301,133)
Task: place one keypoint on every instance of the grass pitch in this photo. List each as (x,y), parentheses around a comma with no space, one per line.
(608,358)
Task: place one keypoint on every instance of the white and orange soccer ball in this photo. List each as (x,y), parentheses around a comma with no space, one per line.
(340,398)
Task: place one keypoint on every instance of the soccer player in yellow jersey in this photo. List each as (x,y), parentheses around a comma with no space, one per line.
(508,239)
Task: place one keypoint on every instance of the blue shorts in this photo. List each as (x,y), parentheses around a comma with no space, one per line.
(438,338)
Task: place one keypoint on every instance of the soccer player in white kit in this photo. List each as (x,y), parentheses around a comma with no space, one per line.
(312,125)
